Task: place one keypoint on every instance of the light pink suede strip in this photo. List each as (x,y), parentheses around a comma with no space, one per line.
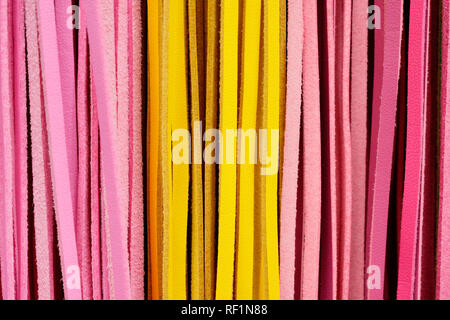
(59,154)
(291,149)
(99,26)
(343,143)
(83,214)
(66,53)
(359,86)
(43,216)
(311,191)
(96,228)
(136,244)
(21,149)
(7,194)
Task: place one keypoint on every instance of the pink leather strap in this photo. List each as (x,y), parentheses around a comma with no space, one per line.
(443,240)
(343,142)
(96,227)
(358,108)
(425,283)
(41,182)
(99,25)
(414,147)
(66,55)
(21,149)
(382,146)
(59,155)
(84,212)
(123,112)
(291,149)
(136,162)
(329,241)
(7,207)
(311,153)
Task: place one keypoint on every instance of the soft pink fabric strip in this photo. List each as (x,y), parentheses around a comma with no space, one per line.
(136,244)
(359,78)
(123,104)
(42,193)
(83,216)
(21,149)
(311,191)
(65,37)
(291,149)
(96,233)
(443,240)
(329,244)
(414,147)
(102,63)
(7,207)
(59,155)
(378,210)
(343,143)
(375,123)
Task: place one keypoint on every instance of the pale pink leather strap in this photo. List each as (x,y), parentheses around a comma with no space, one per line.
(375,122)
(66,53)
(96,227)
(382,152)
(136,162)
(291,149)
(123,109)
(59,155)
(443,240)
(42,188)
(102,64)
(84,209)
(414,147)
(359,86)
(311,153)
(7,207)
(21,149)
(343,143)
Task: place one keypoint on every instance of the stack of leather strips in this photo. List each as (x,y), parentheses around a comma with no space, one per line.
(232,149)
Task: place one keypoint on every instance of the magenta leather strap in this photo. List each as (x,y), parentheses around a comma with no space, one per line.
(414,147)
(358,109)
(381,155)
(425,275)
(443,240)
